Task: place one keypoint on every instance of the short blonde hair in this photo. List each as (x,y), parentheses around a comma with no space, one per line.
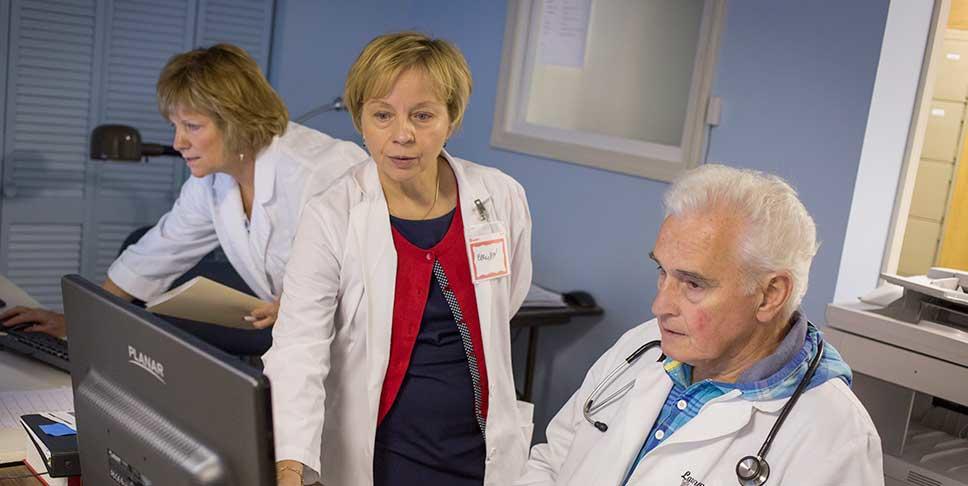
(388,56)
(223,82)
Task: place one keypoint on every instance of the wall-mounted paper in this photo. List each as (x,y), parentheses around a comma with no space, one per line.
(564,32)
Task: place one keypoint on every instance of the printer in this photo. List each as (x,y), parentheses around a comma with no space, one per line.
(907,343)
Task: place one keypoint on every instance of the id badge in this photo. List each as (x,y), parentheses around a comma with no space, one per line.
(487,247)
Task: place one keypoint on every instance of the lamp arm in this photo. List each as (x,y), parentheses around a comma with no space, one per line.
(335,105)
(155,149)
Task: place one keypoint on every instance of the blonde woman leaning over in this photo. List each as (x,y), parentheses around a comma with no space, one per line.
(252,170)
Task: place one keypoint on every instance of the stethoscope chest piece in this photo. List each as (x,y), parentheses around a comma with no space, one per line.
(752,471)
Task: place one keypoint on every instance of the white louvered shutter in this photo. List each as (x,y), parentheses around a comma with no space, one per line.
(129,195)
(39,254)
(245,23)
(109,239)
(4,55)
(50,74)
(49,89)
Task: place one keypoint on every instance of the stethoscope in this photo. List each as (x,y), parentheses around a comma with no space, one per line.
(750,470)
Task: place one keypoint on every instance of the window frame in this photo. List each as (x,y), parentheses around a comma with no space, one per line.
(662,162)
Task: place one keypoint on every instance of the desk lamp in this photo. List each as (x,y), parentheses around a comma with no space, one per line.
(123,143)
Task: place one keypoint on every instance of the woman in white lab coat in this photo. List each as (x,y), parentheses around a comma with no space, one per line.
(391,361)
(252,170)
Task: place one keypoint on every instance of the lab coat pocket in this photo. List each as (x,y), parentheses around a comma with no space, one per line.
(526,421)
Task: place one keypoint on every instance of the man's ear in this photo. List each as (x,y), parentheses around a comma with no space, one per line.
(776,292)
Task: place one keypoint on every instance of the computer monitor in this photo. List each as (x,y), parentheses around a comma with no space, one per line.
(156,406)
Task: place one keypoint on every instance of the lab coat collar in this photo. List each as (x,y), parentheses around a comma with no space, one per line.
(721,416)
(652,386)
(232,214)
(370,224)
(261,226)
(471,187)
(769,406)
(265,172)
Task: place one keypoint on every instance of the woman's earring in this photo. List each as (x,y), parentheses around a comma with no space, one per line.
(241,157)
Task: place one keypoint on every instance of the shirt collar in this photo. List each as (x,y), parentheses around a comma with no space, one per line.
(762,372)
(787,349)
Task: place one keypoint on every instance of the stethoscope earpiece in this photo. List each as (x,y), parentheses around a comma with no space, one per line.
(752,471)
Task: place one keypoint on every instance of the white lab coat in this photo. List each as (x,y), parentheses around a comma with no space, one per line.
(294,167)
(331,343)
(827,440)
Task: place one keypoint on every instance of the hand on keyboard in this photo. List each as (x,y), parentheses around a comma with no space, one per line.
(38,320)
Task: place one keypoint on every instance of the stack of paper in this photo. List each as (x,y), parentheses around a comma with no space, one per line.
(541,297)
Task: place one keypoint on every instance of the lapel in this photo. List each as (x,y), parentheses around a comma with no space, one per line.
(370,222)
(261,226)
(652,386)
(470,189)
(720,417)
(630,426)
(232,233)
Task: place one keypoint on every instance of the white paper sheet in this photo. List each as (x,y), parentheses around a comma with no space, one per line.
(13,404)
(12,296)
(564,32)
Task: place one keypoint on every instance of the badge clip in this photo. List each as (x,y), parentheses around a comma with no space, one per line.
(480,209)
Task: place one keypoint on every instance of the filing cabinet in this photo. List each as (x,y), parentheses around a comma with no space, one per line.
(931,187)
(920,246)
(944,130)
(952,81)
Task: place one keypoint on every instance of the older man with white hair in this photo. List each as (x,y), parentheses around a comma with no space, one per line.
(746,391)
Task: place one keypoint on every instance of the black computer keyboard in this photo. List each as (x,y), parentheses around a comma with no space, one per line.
(37,345)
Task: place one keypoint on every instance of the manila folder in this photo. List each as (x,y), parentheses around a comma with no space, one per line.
(204,300)
(11,295)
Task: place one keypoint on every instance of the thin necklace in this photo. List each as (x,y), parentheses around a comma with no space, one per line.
(436,192)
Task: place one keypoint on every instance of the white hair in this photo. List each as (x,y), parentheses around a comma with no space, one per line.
(779,234)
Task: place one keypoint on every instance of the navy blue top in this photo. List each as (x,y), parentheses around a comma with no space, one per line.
(430,435)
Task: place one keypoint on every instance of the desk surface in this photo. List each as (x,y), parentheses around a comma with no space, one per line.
(21,373)
(544,316)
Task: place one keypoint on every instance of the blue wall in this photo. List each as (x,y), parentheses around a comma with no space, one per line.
(795,78)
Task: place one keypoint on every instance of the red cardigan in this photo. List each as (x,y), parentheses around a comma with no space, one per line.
(414,272)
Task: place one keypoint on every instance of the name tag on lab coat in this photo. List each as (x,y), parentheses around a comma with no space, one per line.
(487,248)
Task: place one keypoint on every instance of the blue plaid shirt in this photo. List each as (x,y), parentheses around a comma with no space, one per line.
(686,399)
